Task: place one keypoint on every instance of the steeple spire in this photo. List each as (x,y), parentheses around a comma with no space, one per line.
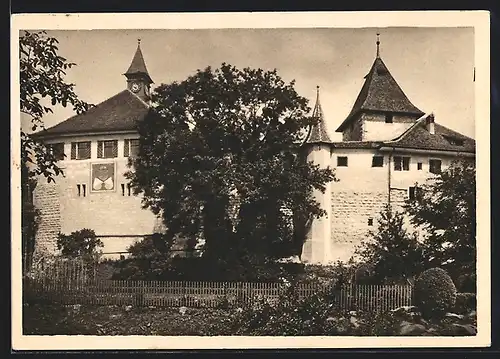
(317,133)
(378,45)
(138,66)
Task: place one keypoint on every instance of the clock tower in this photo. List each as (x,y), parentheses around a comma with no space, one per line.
(138,79)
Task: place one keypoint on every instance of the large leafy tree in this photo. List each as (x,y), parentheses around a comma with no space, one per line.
(42,85)
(220,159)
(446,208)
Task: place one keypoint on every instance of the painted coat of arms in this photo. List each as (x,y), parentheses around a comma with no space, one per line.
(103,177)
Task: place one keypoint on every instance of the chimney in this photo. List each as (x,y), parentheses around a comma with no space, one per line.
(429,124)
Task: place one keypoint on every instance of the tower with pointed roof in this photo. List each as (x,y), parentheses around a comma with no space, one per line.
(388,147)
(138,79)
(318,148)
(381,109)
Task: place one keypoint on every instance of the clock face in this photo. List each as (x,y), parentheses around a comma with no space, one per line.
(135,87)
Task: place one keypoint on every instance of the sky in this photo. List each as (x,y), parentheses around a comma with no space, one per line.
(433,66)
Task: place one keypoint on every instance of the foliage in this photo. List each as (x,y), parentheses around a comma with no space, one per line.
(219,159)
(435,293)
(466,283)
(337,274)
(391,252)
(465,303)
(446,209)
(166,267)
(79,244)
(42,72)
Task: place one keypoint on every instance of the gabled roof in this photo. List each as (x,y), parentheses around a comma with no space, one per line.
(443,139)
(317,132)
(118,113)
(138,65)
(380,92)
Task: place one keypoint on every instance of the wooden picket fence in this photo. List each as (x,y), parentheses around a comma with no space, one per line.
(79,285)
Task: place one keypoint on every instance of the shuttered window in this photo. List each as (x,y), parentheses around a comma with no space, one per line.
(107,149)
(80,150)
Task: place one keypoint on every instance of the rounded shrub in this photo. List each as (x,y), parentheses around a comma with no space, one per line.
(435,292)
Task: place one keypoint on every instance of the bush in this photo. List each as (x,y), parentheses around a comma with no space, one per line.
(466,283)
(465,303)
(163,267)
(435,292)
(79,244)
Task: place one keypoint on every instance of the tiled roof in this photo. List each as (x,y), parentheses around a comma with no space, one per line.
(138,65)
(418,137)
(317,132)
(380,92)
(443,139)
(118,113)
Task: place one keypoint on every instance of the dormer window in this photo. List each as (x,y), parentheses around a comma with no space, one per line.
(388,118)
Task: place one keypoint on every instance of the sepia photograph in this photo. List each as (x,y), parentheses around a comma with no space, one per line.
(228,185)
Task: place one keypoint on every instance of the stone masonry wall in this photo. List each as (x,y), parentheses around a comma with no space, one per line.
(46,200)
(351,213)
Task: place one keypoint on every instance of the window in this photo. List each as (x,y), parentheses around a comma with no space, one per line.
(80,150)
(413,192)
(82,190)
(370,221)
(406,163)
(378,161)
(388,118)
(419,166)
(57,149)
(107,149)
(130,148)
(401,163)
(435,166)
(341,161)
(129,189)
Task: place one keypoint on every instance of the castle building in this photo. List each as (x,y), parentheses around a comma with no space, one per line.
(388,146)
(93,149)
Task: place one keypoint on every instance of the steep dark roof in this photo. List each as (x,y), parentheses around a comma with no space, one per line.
(118,113)
(138,65)
(380,92)
(443,139)
(317,132)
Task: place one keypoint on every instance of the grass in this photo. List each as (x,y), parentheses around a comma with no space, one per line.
(118,320)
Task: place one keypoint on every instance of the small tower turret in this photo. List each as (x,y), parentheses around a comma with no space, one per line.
(317,248)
